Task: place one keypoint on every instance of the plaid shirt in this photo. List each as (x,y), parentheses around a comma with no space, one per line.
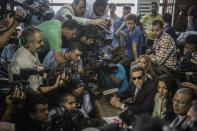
(164,51)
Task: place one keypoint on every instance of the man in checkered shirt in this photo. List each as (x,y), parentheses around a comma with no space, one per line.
(164,47)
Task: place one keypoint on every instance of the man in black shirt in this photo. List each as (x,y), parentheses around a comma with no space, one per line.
(140,94)
(192,18)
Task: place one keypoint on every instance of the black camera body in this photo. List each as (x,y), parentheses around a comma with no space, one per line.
(44,12)
(63,119)
(185,64)
(26,72)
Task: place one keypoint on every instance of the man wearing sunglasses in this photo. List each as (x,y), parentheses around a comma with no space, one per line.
(139,98)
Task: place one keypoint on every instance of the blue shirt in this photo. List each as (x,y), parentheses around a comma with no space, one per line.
(7,53)
(136,36)
(49,60)
(121,75)
(116,26)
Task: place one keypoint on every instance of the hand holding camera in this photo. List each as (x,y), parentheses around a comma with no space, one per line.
(14,98)
(99,22)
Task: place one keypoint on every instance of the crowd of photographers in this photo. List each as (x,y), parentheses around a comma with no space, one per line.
(54,65)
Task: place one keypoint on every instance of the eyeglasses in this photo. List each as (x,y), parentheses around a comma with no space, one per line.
(135,78)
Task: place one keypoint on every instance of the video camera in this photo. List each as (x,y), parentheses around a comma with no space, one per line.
(43,12)
(26,72)
(185,64)
(63,119)
(67,71)
(96,64)
(98,34)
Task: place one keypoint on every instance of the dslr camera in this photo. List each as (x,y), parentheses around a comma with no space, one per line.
(62,119)
(185,64)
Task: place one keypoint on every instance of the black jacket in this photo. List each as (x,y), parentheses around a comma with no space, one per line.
(144,101)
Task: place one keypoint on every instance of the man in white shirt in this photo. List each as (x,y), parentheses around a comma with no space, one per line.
(27,57)
(76,11)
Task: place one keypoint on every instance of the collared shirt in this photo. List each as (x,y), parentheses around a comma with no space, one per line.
(66,10)
(136,36)
(178,121)
(164,51)
(24,59)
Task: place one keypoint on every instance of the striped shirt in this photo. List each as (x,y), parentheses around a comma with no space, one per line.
(164,51)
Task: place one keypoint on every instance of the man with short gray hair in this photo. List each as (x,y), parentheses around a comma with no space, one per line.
(26,57)
(182,102)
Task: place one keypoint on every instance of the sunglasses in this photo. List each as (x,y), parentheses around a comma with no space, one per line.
(135,78)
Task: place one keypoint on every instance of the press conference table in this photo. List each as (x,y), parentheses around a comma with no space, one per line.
(104,108)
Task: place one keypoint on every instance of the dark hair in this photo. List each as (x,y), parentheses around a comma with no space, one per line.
(154,3)
(28,34)
(70,24)
(102,3)
(170,83)
(157,22)
(126,7)
(111,5)
(74,45)
(33,100)
(64,97)
(167,17)
(136,68)
(74,83)
(132,17)
(91,31)
(191,39)
(77,1)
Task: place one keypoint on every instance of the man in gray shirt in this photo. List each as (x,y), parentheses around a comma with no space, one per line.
(76,11)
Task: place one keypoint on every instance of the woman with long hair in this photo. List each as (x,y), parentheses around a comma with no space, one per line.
(166,88)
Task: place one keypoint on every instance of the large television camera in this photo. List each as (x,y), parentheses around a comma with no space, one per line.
(39,8)
(52,74)
(97,64)
(96,37)
(43,12)
(63,119)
